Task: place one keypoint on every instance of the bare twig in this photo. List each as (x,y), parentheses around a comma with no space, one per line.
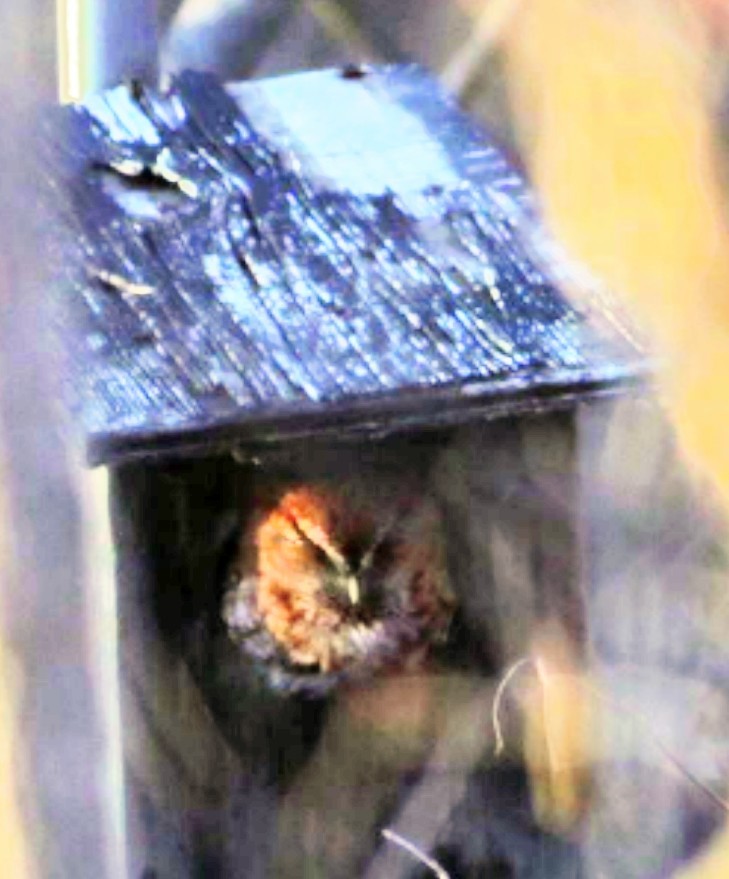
(685,773)
(427,808)
(433,865)
(499,698)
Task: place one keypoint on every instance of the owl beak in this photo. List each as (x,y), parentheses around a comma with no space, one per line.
(353,590)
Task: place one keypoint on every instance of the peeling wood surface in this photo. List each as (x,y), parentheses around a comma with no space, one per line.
(327,251)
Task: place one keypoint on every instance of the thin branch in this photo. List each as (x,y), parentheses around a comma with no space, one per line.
(499,698)
(689,776)
(433,865)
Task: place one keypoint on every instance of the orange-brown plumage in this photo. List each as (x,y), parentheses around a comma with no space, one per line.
(329,582)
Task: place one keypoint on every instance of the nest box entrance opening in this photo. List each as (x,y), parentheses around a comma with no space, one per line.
(235,599)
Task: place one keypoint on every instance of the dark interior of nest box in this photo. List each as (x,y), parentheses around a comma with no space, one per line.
(218,766)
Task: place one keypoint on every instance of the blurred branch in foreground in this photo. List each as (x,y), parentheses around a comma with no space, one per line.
(621,135)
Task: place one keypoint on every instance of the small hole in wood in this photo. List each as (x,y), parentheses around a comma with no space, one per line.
(141,191)
(354,71)
(136,88)
(145,180)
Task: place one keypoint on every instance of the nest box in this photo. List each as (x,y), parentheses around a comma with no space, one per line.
(323,283)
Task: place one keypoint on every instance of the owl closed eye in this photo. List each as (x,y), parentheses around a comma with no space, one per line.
(330,585)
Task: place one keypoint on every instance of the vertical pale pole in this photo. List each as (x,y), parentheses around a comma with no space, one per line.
(102,42)
(59,770)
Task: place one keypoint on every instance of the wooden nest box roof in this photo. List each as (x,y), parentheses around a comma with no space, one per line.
(339,251)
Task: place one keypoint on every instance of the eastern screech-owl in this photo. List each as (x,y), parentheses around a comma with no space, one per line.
(330,584)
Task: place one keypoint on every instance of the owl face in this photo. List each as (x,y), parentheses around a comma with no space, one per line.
(332,584)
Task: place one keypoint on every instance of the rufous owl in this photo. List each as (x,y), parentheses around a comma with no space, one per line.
(330,585)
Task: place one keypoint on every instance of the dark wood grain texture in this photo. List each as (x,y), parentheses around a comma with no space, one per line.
(316,252)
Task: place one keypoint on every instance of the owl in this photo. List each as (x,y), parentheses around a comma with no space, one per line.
(331,584)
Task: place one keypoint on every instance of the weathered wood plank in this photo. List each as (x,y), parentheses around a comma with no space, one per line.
(314,252)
